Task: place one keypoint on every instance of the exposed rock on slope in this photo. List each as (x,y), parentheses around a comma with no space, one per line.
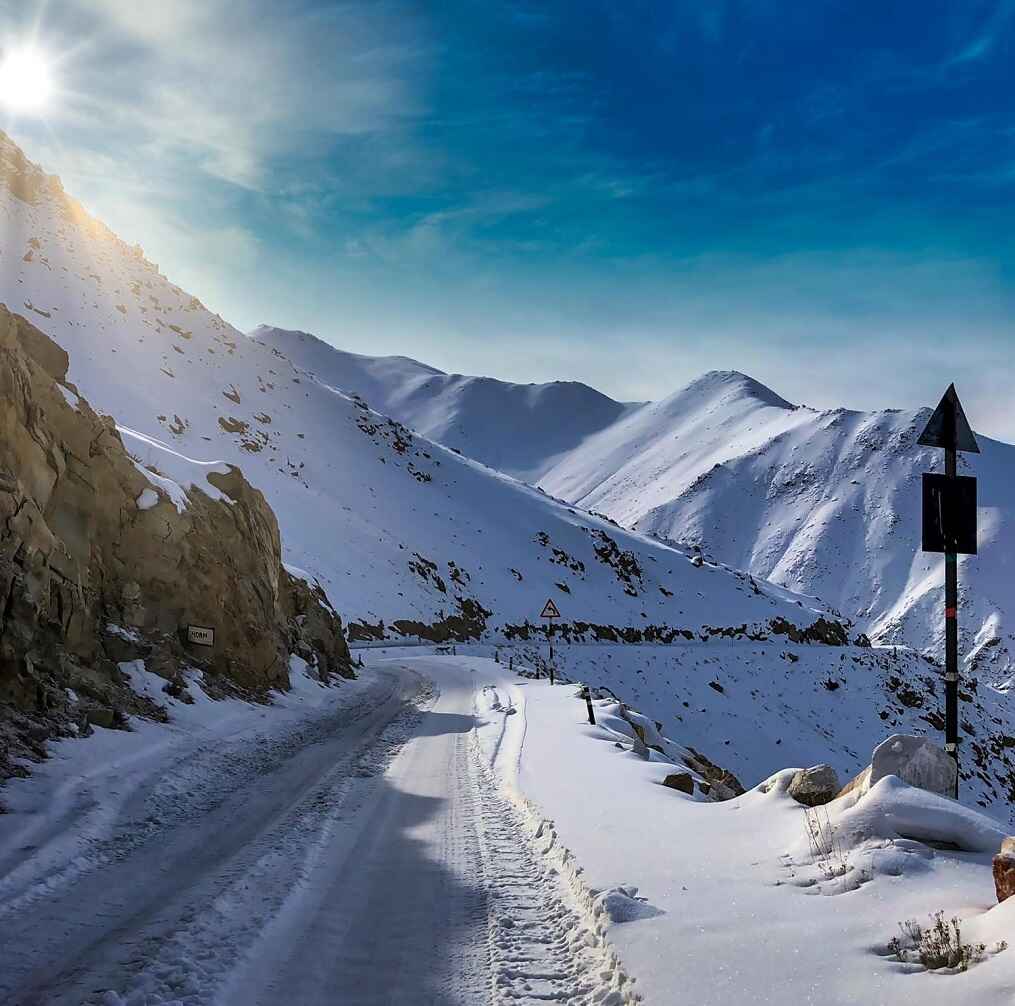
(100,563)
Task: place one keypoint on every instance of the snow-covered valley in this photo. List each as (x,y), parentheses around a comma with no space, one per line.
(448,828)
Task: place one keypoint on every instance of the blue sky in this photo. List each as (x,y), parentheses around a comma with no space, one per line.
(819,194)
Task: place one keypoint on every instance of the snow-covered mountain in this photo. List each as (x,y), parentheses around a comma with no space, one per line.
(519,429)
(402,533)
(825,503)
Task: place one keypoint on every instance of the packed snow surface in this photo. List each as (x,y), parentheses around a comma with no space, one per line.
(723,903)
(356,837)
(757,706)
(443,830)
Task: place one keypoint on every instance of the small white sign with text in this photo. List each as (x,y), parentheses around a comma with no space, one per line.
(200,635)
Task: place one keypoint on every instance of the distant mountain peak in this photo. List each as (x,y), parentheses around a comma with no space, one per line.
(279,337)
(742,384)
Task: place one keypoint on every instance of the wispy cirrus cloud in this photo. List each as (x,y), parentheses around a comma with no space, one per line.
(986,34)
(232,88)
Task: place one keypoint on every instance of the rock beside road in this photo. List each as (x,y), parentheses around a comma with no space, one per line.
(683,782)
(1004,870)
(917,761)
(815,786)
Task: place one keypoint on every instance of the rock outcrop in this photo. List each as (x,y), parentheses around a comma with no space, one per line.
(718,783)
(99,566)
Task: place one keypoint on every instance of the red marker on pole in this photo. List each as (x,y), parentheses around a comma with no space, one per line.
(949,526)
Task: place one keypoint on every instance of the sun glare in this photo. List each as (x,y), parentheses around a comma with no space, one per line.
(26,83)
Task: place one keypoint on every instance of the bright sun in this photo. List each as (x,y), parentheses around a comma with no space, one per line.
(25,80)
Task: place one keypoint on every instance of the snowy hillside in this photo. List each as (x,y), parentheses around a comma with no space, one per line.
(397,529)
(822,503)
(746,899)
(411,539)
(826,503)
(519,429)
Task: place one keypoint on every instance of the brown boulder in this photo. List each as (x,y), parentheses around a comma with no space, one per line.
(1004,870)
(814,786)
(723,784)
(682,781)
(108,719)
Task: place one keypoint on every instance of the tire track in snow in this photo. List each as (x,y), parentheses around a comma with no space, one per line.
(515,926)
(182,948)
(545,944)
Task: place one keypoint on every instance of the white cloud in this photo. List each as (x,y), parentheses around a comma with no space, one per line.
(232,87)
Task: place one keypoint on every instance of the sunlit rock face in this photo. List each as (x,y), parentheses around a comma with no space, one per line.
(103,561)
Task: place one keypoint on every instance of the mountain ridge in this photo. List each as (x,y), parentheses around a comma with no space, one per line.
(776,489)
(414,542)
(464,412)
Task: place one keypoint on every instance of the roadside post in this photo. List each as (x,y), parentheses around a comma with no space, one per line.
(550,612)
(949,526)
(587,696)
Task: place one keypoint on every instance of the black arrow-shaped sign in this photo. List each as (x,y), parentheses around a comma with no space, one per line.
(948,428)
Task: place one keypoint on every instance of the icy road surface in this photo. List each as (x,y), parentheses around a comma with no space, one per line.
(370,854)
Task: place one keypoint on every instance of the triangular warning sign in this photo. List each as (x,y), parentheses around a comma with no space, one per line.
(948,427)
(549,610)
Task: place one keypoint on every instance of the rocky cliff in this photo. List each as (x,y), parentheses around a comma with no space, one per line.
(101,563)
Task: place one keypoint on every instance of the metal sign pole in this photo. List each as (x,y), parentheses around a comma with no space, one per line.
(550,612)
(952,634)
(949,526)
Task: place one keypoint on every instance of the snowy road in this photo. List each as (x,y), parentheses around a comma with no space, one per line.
(373,858)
